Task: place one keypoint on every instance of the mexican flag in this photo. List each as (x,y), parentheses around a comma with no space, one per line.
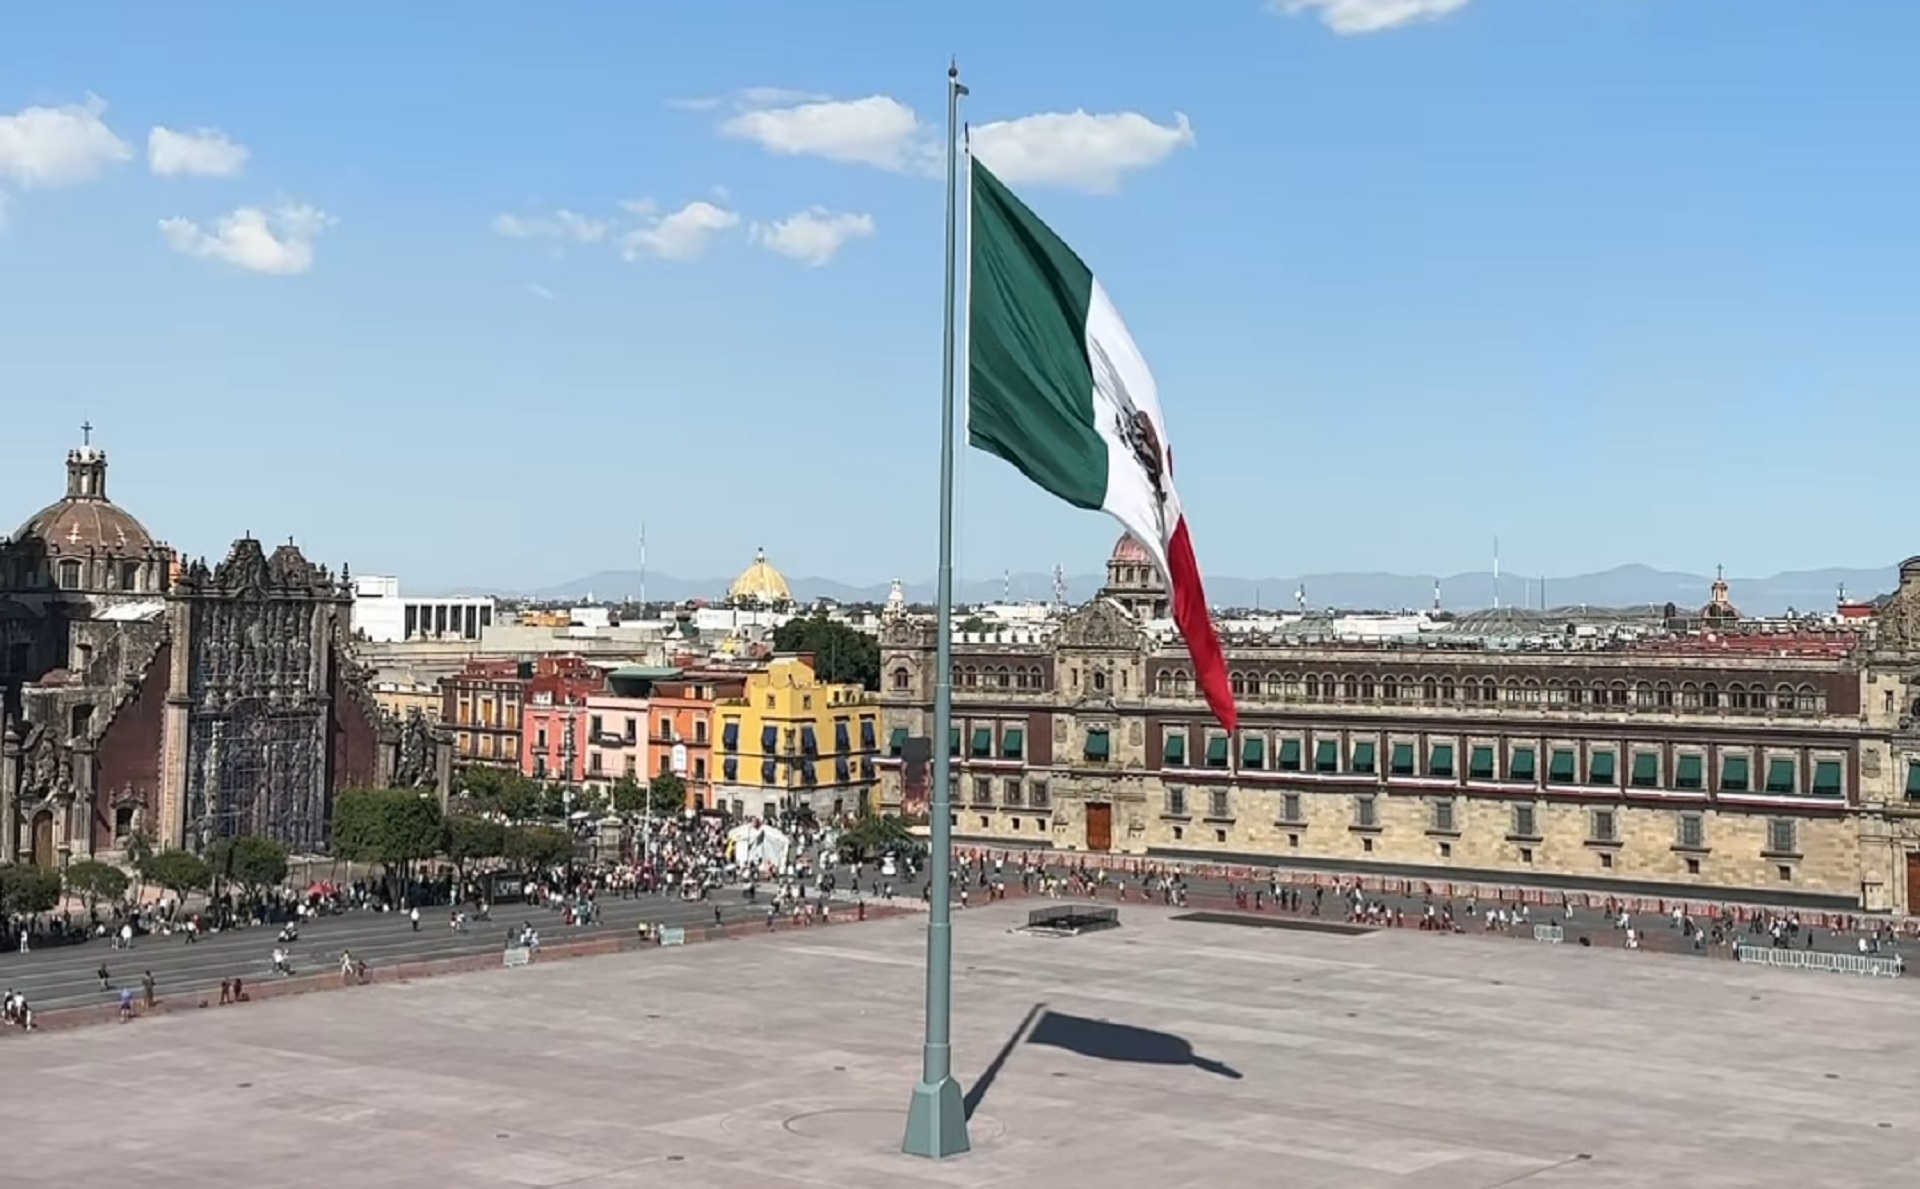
(1057,387)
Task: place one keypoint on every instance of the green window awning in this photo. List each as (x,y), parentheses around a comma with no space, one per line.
(1400,763)
(1826,778)
(1217,751)
(982,741)
(1913,779)
(1012,740)
(1689,772)
(953,741)
(1646,770)
(1735,773)
(1480,764)
(1253,752)
(1440,760)
(1561,766)
(1363,753)
(1326,756)
(1097,745)
(1600,768)
(1520,767)
(1289,755)
(897,741)
(1176,751)
(1782,777)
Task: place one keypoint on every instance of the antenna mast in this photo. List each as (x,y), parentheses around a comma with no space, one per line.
(1496,573)
(1059,588)
(643,567)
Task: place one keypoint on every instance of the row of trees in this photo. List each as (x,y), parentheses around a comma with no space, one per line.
(397,829)
(513,795)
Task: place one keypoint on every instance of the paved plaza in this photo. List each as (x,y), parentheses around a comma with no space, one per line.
(1162,1053)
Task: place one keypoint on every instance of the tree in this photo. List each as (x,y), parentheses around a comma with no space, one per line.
(875,835)
(178,871)
(471,838)
(256,864)
(841,655)
(629,796)
(395,828)
(28,891)
(538,846)
(94,881)
(667,795)
(500,790)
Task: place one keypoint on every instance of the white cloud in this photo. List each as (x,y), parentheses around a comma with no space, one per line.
(814,236)
(878,131)
(540,291)
(1349,17)
(203,152)
(679,235)
(747,99)
(59,146)
(560,225)
(1078,150)
(277,241)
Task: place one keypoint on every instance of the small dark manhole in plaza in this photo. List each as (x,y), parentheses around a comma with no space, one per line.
(1305,925)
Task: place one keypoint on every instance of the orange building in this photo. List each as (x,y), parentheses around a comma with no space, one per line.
(680,727)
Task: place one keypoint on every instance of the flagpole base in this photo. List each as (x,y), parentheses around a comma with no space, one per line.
(936,1121)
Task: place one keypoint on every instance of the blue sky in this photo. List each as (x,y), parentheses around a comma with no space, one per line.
(466,293)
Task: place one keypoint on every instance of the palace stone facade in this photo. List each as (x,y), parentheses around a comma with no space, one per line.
(1782,775)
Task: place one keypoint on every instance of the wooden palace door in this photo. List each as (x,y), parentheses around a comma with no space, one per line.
(1099,825)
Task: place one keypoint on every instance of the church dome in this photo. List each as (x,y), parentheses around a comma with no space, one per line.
(760,583)
(1128,550)
(86,521)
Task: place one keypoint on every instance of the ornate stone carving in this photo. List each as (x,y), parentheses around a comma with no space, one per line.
(1100,624)
(1134,732)
(413,766)
(1059,730)
(1897,626)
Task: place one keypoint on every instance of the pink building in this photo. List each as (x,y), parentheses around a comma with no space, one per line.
(615,740)
(554,721)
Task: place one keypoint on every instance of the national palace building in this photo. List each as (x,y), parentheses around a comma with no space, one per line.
(1701,763)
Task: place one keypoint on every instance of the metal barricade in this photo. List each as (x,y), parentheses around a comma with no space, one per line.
(517,955)
(673,937)
(1870,965)
(1551,934)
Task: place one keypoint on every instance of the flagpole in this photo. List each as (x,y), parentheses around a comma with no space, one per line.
(936,1117)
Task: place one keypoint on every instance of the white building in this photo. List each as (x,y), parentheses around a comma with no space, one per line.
(382,615)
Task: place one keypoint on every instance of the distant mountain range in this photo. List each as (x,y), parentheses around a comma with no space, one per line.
(1622,586)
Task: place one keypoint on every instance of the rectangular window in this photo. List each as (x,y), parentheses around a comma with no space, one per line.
(1400,761)
(1600,766)
(982,743)
(1480,763)
(1782,836)
(1013,741)
(1218,805)
(1363,761)
(1326,755)
(1290,808)
(1524,825)
(983,790)
(1646,770)
(1693,831)
(1176,801)
(1913,780)
(1218,749)
(1440,761)
(1098,744)
(1561,766)
(1735,774)
(1689,772)
(1443,816)
(1783,776)
(1289,755)
(1253,752)
(1011,796)
(1826,778)
(1520,765)
(1174,751)
(594,725)
(1366,811)
(1037,794)
(1605,828)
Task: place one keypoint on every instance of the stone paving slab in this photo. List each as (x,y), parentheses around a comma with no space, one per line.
(1161,1053)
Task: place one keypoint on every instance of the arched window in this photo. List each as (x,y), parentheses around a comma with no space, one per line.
(1313,685)
(1617,694)
(902,679)
(1237,684)
(1350,688)
(1710,696)
(1784,699)
(1367,688)
(1429,689)
(1556,693)
(1643,696)
(69,575)
(1663,695)
(1163,683)
(1809,700)
(1446,689)
(1390,688)
(1003,678)
(1737,698)
(1099,679)
(1689,696)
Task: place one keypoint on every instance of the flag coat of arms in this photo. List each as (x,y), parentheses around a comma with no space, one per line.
(1057,387)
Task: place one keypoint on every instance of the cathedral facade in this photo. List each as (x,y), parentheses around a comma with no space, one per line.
(176,701)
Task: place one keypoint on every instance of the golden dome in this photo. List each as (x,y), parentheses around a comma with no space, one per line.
(760,583)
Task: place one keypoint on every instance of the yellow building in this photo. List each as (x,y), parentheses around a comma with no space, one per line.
(792,740)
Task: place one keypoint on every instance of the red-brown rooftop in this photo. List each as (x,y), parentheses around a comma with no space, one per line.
(86,520)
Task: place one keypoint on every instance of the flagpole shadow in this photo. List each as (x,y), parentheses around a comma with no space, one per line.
(977,1092)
